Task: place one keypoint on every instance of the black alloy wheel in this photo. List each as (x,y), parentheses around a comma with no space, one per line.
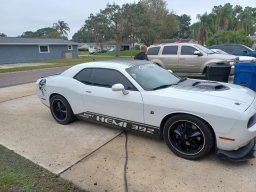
(187,136)
(61,110)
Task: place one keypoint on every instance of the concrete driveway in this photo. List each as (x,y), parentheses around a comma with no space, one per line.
(93,156)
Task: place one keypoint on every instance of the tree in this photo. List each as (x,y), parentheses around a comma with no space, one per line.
(202,32)
(112,14)
(158,23)
(46,32)
(83,36)
(230,37)
(131,25)
(62,28)
(96,25)
(29,34)
(224,16)
(3,35)
(184,27)
(247,20)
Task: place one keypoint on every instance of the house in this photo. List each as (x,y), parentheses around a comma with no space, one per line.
(107,45)
(15,50)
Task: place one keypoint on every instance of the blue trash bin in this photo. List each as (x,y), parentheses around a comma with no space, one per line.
(245,75)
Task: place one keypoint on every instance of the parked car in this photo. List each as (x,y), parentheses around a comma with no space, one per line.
(92,50)
(112,49)
(241,58)
(192,116)
(235,49)
(186,57)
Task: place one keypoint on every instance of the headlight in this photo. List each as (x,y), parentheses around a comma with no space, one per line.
(253,60)
(231,62)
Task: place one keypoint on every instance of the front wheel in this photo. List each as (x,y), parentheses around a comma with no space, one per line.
(188,137)
(61,110)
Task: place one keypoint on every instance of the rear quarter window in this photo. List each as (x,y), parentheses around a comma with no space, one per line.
(153,50)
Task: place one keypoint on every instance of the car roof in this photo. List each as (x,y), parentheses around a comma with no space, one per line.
(110,64)
(166,44)
(225,44)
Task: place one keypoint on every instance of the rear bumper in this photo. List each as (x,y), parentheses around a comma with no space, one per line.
(242,154)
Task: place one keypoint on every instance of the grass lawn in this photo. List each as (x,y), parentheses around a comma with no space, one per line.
(20,174)
(69,62)
(128,53)
(57,63)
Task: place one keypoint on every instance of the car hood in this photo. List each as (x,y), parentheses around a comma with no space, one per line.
(210,92)
(222,56)
(247,58)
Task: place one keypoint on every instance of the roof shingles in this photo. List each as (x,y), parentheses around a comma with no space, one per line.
(34,41)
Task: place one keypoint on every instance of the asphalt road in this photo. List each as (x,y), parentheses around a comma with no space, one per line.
(16,78)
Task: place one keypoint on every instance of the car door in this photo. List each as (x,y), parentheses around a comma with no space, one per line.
(188,62)
(170,58)
(99,98)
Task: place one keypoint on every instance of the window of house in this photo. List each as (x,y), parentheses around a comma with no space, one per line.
(44,49)
(70,47)
(170,50)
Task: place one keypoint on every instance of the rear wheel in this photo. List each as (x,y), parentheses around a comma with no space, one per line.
(61,110)
(188,137)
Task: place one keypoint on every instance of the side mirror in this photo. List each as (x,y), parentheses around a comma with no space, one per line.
(198,53)
(119,87)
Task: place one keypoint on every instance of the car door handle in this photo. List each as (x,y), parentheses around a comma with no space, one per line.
(88,91)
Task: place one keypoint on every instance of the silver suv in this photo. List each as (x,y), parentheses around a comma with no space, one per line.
(186,57)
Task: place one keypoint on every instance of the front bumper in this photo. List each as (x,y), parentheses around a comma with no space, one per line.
(242,154)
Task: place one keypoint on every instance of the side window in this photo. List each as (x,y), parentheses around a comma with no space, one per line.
(84,75)
(170,50)
(225,48)
(153,50)
(187,50)
(108,77)
(238,48)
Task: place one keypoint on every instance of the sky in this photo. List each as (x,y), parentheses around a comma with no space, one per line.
(18,16)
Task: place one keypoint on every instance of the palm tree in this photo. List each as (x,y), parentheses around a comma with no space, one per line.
(62,28)
(202,32)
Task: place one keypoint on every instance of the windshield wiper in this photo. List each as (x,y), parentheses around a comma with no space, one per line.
(182,79)
(163,86)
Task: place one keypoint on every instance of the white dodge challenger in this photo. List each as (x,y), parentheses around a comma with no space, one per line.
(192,116)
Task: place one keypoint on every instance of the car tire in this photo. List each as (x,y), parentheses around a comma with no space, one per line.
(206,73)
(188,137)
(61,110)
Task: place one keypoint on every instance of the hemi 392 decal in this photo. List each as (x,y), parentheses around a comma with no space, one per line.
(120,123)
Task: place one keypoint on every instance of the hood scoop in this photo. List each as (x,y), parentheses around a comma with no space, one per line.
(210,86)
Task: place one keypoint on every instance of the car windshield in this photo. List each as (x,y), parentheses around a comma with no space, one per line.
(219,51)
(152,77)
(248,48)
(204,49)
